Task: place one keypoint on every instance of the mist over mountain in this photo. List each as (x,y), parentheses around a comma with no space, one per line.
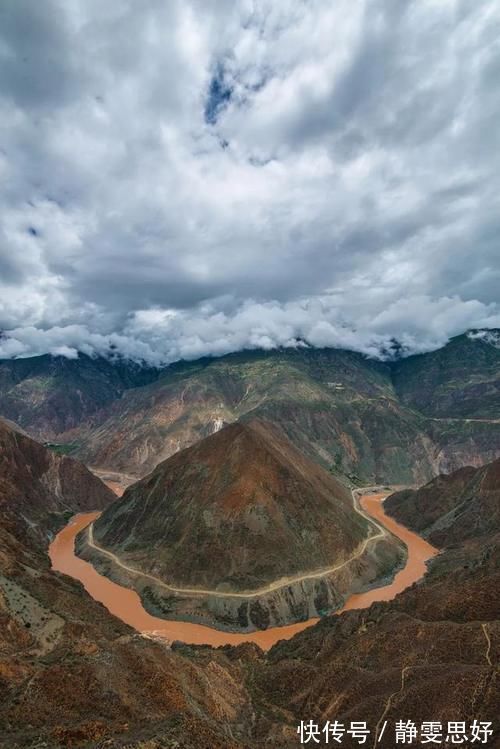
(157,338)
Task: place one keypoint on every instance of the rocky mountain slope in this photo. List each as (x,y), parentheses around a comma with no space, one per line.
(78,677)
(36,485)
(237,512)
(71,675)
(240,508)
(47,395)
(396,422)
(461,380)
(452,509)
(299,390)
(431,654)
(356,416)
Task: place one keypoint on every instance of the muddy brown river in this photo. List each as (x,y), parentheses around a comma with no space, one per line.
(126,604)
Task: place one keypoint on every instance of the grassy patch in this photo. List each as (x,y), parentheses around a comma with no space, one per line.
(61,449)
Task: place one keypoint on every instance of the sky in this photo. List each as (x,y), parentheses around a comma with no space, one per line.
(193,177)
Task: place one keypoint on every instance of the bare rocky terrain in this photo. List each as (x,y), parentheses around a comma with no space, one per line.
(401,421)
(81,678)
(39,487)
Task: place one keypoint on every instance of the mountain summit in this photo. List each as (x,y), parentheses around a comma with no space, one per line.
(240,530)
(239,509)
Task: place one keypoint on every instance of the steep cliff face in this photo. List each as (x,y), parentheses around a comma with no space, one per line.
(241,512)
(36,485)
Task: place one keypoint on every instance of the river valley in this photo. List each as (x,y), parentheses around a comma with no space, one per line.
(126,604)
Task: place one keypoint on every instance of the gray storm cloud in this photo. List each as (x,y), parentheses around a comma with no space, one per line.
(181,179)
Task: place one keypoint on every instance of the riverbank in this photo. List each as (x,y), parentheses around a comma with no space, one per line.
(126,604)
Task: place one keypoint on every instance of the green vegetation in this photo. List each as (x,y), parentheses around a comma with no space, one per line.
(154,602)
(461,380)
(58,520)
(62,449)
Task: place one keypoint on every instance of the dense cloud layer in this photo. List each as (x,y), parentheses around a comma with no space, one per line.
(191,177)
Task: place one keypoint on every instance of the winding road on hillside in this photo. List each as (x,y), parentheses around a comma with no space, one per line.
(271,587)
(126,604)
(463,420)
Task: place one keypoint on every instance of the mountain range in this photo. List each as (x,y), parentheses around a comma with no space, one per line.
(72,675)
(399,422)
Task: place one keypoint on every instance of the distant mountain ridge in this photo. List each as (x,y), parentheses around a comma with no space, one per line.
(400,422)
(48,395)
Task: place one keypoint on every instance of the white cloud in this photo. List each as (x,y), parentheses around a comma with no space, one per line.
(160,337)
(343,190)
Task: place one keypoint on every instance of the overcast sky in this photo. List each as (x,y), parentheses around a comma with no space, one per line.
(193,177)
